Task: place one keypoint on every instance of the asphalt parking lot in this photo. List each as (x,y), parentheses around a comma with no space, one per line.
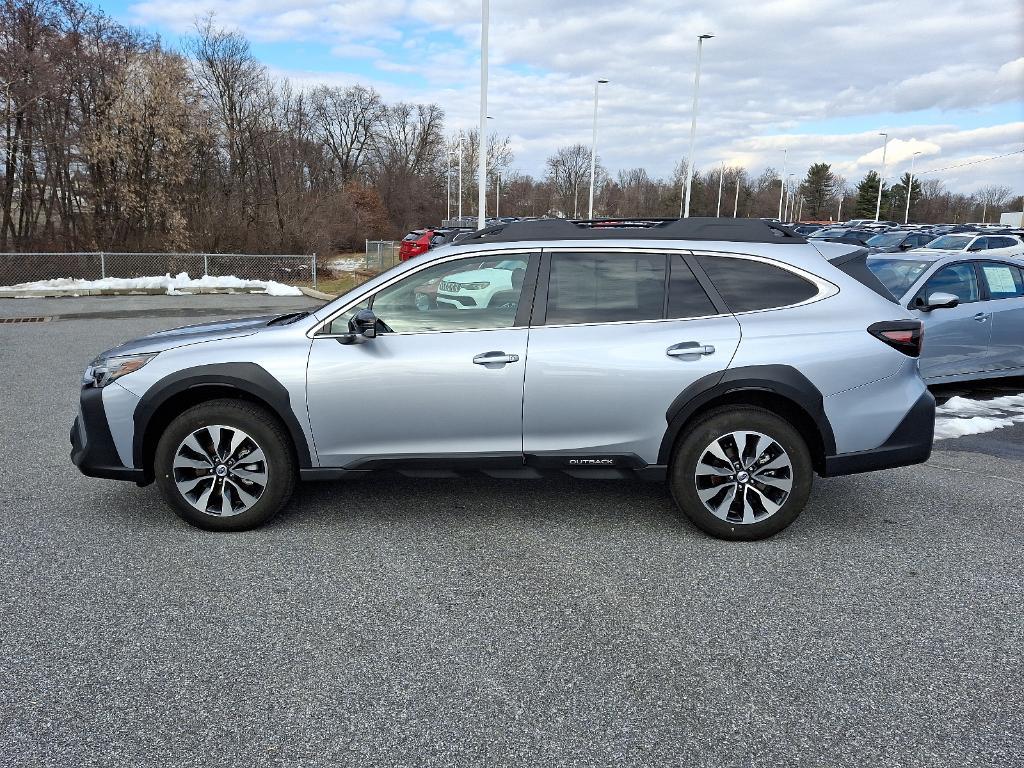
(408,622)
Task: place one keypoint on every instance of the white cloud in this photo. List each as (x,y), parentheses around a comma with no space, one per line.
(816,76)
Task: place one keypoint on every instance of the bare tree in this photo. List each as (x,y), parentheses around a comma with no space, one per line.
(569,175)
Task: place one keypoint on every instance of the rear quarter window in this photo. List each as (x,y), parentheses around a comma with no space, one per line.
(748,285)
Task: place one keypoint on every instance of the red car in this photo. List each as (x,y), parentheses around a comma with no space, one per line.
(419,241)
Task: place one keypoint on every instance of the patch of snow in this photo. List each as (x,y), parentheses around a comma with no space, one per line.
(346,265)
(961,416)
(173,286)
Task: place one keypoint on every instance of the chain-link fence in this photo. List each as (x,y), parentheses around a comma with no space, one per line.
(381,254)
(18,268)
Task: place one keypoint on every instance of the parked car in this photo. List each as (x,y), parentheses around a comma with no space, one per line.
(972,242)
(490,286)
(806,229)
(972,308)
(419,241)
(727,357)
(898,240)
(843,234)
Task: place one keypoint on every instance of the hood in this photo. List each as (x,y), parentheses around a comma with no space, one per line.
(192,334)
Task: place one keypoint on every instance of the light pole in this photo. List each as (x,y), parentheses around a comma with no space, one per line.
(786,211)
(736,202)
(721,177)
(593,150)
(684,209)
(910,187)
(481,170)
(497,196)
(460,178)
(448,153)
(782,180)
(881,177)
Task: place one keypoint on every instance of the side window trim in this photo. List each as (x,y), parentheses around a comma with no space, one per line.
(705,282)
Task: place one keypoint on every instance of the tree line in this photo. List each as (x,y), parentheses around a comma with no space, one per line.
(113,141)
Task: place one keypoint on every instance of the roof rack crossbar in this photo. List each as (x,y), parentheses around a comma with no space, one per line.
(695,228)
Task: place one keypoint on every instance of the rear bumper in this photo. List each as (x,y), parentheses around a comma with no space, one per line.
(910,443)
(92,447)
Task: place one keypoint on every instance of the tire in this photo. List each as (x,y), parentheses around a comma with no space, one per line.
(249,475)
(763,496)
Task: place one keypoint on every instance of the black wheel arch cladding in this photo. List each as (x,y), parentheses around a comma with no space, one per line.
(778,380)
(247,378)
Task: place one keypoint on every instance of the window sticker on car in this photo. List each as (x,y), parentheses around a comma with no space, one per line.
(1000,279)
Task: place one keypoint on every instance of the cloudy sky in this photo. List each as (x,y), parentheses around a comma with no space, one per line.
(819,77)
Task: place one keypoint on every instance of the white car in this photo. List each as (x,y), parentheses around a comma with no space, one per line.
(485,287)
(972,242)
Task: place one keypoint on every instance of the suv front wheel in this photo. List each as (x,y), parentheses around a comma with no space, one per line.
(741,473)
(225,465)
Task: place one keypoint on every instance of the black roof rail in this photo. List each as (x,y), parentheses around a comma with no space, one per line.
(695,228)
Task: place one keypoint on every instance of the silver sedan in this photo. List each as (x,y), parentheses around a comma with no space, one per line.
(972,308)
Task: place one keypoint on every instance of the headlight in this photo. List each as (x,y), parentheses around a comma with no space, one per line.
(104,370)
(473,286)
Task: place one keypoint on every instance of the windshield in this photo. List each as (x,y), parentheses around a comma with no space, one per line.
(886,240)
(897,274)
(950,242)
(823,233)
(511,264)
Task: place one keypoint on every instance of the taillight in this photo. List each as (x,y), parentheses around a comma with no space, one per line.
(906,336)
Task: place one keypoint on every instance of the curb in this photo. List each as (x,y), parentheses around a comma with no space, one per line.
(314,294)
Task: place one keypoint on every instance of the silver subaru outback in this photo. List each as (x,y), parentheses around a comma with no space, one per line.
(730,357)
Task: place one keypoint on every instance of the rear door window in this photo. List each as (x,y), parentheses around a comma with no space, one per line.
(1004,281)
(605,288)
(748,285)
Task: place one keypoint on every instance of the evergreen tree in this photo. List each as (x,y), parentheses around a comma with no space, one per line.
(867,197)
(898,197)
(818,189)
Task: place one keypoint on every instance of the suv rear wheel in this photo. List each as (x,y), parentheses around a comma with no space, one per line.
(741,473)
(225,465)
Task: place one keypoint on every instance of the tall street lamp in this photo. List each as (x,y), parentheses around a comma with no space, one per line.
(460,178)
(684,209)
(593,150)
(721,177)
(736,202)
(881,178)
(910,187)
(782,180)
(481,170)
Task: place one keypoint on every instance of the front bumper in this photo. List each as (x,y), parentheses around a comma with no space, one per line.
(910,443)
(92,447)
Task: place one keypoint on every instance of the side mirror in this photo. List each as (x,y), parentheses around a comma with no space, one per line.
(362,327)
(936,300)
(906,245)
(975,246)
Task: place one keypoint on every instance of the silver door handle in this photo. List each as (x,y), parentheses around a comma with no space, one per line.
(689,348)
(981,317)
(491,358)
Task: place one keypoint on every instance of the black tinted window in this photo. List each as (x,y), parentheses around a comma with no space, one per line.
(749,285)
(605,287)
(685,296)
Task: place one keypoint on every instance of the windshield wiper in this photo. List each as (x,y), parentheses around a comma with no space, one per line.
(291,317)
